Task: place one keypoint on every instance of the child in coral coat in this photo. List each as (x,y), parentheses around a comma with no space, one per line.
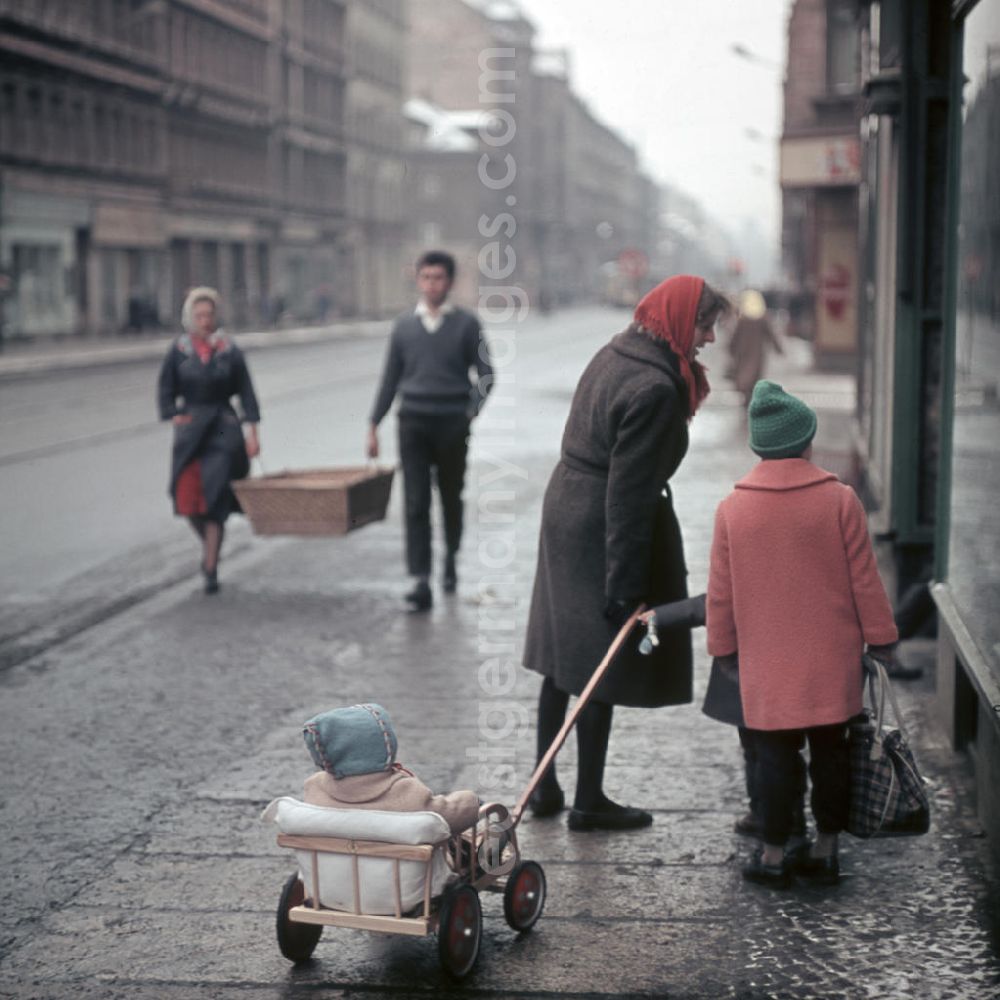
(355,749)
(794,590)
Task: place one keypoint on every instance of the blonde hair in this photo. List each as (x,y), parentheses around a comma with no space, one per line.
(200,294)
(752,304)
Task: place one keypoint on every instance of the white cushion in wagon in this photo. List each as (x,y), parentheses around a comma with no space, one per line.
(336,871)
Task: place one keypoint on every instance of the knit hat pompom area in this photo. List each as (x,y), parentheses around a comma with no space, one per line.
(781,426)
(355,740)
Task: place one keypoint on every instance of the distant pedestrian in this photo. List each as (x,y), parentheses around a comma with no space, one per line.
(201,373)
(751,339)
(431,353)
(610,539)
(794,592)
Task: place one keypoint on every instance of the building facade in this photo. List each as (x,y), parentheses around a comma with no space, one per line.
(308,158)
(819,172)
(84,135)
(152,145)
(444,192)
(928,420)
(967,531)
(571,186)
(375,251)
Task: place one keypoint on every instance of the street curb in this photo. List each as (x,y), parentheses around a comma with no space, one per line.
(108,354)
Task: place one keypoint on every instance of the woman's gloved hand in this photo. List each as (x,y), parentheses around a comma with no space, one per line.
(619,612)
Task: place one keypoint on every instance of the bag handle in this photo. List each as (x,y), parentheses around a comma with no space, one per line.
(877,674)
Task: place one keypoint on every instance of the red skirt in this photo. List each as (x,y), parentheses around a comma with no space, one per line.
(189,499)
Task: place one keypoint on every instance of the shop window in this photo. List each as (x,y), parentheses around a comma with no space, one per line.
(842,47)
(8,116)
(37,279)
(108,265)
(35,122)
(57,127)
(431,187)
(974,539)
(430,234)
(210,264)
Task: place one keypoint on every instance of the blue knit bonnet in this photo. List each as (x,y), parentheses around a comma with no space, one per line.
(355,740)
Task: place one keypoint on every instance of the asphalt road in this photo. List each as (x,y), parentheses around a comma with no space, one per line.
(86,524)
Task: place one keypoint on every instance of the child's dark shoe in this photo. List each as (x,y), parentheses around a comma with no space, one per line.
(819,871)
(773,876)
(747,825)
(796,850)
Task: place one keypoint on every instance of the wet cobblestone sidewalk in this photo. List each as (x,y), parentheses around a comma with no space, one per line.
(186,909)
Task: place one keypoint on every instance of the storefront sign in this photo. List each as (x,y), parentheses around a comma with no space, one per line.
(820,161)
(835,287)
(126,225)
(836,305)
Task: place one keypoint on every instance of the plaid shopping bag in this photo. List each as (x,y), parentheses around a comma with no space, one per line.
(887,792)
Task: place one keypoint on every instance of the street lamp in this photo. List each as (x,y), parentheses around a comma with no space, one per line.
(739,49)
(754,134)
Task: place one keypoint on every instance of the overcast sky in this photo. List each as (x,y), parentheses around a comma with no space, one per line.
(663,73)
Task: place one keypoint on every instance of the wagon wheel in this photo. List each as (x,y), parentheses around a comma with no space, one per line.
(460,931)
(296,941)
(524,895)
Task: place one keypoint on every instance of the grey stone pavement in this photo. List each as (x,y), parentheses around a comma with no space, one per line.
(178,901)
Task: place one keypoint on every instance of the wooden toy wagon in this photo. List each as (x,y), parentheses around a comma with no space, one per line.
(406,873)
(401,873)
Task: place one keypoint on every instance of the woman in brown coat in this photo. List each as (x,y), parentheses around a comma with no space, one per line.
(610,538)
(752,337)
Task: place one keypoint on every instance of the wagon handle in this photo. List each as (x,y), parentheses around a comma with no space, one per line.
(581,703)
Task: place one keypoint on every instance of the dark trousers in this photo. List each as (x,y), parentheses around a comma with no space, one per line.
(777,777)
(432,446)
(798,784)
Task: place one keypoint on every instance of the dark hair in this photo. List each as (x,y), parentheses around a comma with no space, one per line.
(711,306)
(437,258)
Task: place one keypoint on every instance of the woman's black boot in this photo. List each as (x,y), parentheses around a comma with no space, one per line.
(211,580)
(548,798)
(593,810)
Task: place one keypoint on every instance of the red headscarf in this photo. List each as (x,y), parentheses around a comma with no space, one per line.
(669,312)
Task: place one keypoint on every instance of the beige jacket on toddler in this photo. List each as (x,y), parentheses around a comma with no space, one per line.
(396,791)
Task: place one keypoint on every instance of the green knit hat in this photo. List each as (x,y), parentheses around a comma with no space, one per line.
(781,426)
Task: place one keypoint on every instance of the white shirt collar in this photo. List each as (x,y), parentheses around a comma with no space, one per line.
(431,322)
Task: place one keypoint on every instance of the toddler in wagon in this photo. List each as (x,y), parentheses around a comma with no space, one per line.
(355,749)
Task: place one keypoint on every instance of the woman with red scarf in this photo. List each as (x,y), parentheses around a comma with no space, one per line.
(610,538)
(201,373)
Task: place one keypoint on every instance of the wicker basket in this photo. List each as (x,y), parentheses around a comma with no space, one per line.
(315,501)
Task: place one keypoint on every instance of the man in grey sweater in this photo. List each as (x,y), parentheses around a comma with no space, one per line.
(431,352)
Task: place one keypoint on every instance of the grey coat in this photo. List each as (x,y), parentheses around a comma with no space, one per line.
(609,531)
